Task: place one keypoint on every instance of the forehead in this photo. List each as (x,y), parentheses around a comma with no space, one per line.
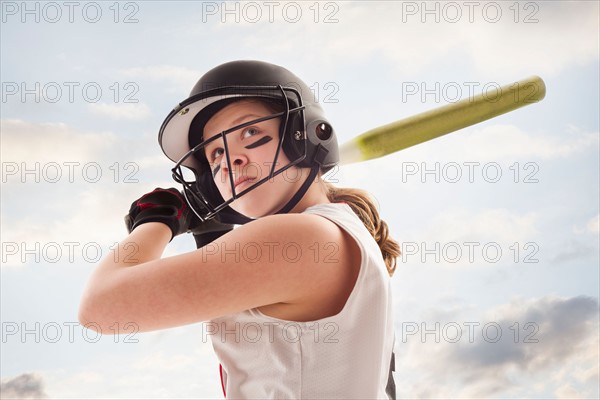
(234,114)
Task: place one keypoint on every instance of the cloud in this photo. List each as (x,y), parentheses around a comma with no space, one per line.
(590,226)
(28,142)
(565,327)
(507,143)
(501,225)
(121,111)
(554,40)
(166,364)
(529,346)
(61,184)
(82,226)
(567,392)
(573,250)
(582,245)
(460,237)
(412,36)
(593,225)
(24,386)
(181,78)
(53,146)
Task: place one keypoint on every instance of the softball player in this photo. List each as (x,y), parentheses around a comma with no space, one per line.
(297,297)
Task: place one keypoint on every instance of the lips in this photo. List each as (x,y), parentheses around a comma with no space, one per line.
(242,181)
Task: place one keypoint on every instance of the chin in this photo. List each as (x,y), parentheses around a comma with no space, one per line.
(257,203)
(251,209)
(263,200)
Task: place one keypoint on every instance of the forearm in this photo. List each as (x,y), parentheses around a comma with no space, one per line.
(145,243)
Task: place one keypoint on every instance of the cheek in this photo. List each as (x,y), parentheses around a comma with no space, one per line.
(222,183)
(261,161)
(282,159)
(291,176)
(253,170)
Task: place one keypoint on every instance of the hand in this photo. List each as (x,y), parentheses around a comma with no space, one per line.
(161,205)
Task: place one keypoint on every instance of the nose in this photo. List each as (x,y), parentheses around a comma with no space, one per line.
(237,159)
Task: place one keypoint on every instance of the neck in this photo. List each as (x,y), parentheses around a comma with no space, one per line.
(316,194)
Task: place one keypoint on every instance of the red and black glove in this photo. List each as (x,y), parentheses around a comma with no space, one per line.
(161,205)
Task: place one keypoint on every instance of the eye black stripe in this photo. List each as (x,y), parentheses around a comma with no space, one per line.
(260,142)
(216,171)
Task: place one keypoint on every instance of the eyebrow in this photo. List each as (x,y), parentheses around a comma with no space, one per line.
(237,121)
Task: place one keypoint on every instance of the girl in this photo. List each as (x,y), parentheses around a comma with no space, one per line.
(297,298)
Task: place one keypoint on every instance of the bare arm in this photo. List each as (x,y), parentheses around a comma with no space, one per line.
(144,244)
(269,261)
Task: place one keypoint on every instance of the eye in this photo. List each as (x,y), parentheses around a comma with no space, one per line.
(214,154)
(250,131)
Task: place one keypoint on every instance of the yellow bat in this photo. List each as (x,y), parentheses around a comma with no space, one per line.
(434,123)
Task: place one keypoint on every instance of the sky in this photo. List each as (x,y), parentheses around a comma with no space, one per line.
(496,291)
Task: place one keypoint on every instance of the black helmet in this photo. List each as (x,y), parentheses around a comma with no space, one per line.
(307,138)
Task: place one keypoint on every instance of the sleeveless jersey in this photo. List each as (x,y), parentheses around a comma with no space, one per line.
(345,356)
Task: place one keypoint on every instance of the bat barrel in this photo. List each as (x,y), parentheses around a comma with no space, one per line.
(434,123)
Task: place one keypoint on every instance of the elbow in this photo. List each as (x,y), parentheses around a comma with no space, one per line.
(93,315)
(88,316)
(102,313)
(97,305)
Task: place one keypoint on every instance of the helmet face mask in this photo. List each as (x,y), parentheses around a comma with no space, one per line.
(305,136)
(202,194)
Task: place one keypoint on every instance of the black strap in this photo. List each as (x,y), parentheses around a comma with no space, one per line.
(202,239)
(300,193)
(319,157)
(390,389)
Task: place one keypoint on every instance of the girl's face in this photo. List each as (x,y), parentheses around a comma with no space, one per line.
(252,151)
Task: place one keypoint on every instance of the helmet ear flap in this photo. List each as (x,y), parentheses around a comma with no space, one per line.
(318,133)
(294,145)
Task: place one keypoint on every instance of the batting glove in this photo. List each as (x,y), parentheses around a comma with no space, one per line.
(161,205)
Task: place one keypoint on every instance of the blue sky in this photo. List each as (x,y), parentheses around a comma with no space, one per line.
(497,290)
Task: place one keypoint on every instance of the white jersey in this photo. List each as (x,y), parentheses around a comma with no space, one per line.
(345,356)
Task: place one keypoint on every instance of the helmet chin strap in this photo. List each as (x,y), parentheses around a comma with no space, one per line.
(301,192)
(320,154)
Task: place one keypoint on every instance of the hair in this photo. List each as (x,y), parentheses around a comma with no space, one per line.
(361,202)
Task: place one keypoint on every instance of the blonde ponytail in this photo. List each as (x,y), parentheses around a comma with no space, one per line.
(364,207)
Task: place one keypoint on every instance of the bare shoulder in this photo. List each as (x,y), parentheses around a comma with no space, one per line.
(312,239)
(300,227)
(327,264)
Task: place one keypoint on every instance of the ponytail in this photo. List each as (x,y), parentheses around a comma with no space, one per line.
(364,207)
